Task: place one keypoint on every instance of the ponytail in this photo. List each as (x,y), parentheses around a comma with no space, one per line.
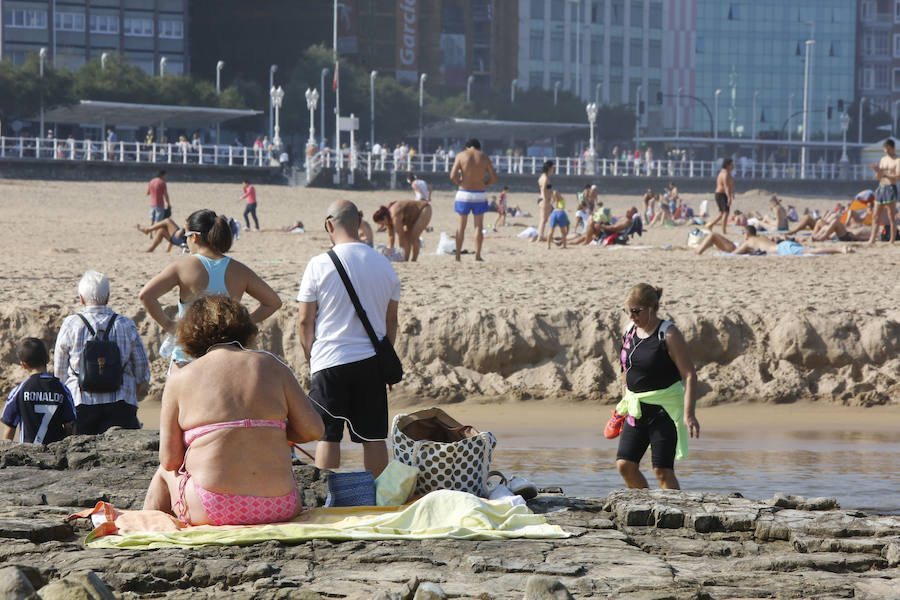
(381,214)
(215,230)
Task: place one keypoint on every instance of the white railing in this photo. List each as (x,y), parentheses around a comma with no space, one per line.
(601,167)
(135,152)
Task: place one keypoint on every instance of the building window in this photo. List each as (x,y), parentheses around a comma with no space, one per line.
(617,11)
(596,49)
(17,57)
(867,9)
(868,45)
(868,78)
(68,21)
(557,10)
(556,46)
(896,11)
(615,52)
(637,52)
(882,44)
(656,16)
(637,13)
(897,45)
(171,29)
(104,24)
(655,58)
(573,49)
(536,79)
(138,27)
(597,12)
(700,45)
(835,49)
(734,12)
(881,77)
(25,18)
(537,9)
(536,48)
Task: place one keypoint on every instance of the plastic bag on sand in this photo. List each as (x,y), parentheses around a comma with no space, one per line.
(528,232)
(392,254)
(695,238)
(447,245)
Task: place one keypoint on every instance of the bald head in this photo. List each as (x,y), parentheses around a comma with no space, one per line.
(344,215)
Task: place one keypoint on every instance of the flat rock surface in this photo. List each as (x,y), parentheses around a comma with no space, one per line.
(632,544)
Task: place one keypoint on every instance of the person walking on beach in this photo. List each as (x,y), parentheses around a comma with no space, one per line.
(206,271)
(97,411)
(501,209)
(472,172)
(345,381)
(159,198)
(659,401)
(546,201)
(250,209)
(724,193)
(887,171)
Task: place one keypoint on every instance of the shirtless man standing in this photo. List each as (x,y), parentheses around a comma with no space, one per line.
(724,193)
(472,172)
(888,172)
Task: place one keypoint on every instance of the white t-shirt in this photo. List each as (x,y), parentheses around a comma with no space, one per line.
(421,189)
(340,336)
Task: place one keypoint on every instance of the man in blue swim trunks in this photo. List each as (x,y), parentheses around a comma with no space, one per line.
(888,173)
(757,244)
(472,172)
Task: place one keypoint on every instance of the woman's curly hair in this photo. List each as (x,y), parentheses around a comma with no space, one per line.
(214,320)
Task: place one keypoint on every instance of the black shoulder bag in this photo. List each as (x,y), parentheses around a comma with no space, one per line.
(388,362)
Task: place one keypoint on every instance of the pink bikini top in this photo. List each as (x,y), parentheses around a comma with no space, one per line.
(193,433)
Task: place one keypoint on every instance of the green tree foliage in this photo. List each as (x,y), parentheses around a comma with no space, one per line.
(23,88)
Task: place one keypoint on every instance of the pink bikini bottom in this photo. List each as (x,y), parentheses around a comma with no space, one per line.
(232,509)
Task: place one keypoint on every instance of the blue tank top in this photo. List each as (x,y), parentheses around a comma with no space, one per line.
(215,269)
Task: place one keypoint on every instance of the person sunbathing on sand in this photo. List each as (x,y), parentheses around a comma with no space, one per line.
(599,229)
(841,232)
(296,227)
(167,230)
(754,243)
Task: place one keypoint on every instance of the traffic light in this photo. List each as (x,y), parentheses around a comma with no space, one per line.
(840,106)
(829,113)
(659,97)
(641,107)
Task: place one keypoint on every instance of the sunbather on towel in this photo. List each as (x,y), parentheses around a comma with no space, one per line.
(225,424)
(597,229)
(754,243)
(841,232)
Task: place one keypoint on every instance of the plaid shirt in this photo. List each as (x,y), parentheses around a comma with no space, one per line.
(70,342)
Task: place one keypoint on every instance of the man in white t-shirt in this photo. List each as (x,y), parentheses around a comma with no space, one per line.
(344,375)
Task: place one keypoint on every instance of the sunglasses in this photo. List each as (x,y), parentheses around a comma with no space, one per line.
(197,233)
(328,218)
(634,311)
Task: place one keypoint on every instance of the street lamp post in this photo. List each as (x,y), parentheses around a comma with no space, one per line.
(43,56)
(577,58)
(219,66)
(592,118)
(597,93)
(860,124)
(678,112)
(162,66)
(272,69)
(809,48)
(469,82)
(637,117)
(372,77)
(277,95)
(322,108)
(716,125)
(422,79)
(753,117)
(790,130)
(312,99)
(827,106)
(845,125)
(555,92)
(512,90)
(103,58)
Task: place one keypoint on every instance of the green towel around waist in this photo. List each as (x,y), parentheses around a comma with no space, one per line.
(671,399)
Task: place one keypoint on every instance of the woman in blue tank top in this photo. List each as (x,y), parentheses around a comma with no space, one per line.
(207,271)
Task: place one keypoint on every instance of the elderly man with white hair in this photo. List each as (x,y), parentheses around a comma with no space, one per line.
(98,411)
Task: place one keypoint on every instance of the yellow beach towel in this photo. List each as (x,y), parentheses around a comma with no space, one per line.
(442,514)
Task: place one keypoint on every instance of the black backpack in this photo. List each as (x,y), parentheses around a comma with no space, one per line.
(100,367)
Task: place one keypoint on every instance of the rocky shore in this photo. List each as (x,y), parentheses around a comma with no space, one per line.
(632,544)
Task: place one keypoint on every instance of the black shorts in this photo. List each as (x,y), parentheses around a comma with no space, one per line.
(722,202)
(656,429)
(94,419)
(355,391)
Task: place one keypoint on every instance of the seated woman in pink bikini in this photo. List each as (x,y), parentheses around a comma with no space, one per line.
(225,424)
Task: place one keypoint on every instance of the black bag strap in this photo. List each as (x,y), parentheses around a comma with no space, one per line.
(354,298)
(105,331)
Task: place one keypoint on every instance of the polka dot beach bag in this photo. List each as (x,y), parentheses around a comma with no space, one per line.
(449,455)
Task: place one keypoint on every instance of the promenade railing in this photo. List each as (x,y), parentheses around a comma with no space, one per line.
(602,167)
(135,152)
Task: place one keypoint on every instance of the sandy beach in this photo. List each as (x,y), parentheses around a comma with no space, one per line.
(527,324)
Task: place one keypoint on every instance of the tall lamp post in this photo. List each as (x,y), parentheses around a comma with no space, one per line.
(469,83)
(716,126)
(637,117)
(678,112)
(272,69)
(845,166)
(555,92)
(512,90)
(597,93)
(277,95)
(372,77)
(790,130)
(43,56)
(809,48)
(592,118)
(861,102)
(322,107)
(162,65)
(422,79)
(103,58)
(312,99)
(753,117)
(219,66)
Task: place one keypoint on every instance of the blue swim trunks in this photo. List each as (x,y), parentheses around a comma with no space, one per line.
(471,201)
(789,248)
(558,218)
(886,194)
